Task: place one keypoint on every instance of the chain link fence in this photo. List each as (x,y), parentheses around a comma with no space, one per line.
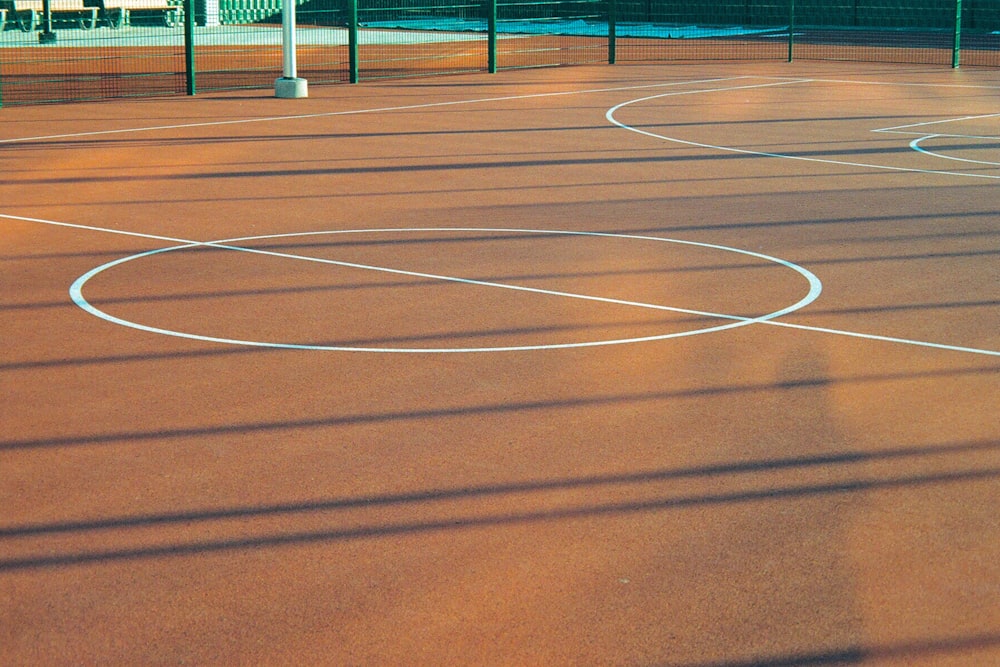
(70,50)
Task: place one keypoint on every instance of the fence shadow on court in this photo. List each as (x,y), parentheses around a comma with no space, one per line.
(467,507)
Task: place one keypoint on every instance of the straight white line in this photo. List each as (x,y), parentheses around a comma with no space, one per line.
(225,245)
(409,107)
(935,122)
(895,83)
(572,295)
(106,230)
(945,135)
(773,322)
(265,119)
(886,339)
(471,281)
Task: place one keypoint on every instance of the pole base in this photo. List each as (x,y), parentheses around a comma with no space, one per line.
(47,37)
(291,88)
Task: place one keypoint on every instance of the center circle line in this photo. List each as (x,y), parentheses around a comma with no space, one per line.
(815,287)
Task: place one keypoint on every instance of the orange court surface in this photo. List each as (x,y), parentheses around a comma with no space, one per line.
(687,365)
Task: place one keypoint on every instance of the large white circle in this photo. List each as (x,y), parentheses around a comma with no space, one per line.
(733,321)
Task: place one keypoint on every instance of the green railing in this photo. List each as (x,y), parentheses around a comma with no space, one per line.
(114,48)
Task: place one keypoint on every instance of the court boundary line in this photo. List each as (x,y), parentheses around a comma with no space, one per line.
(773,322)
(897,129)
(483,100)
(327,114)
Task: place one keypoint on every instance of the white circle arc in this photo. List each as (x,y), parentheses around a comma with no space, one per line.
(610,117)
(915,145)
(733,321)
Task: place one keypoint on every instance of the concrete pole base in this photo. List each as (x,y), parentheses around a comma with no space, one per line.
(291,88)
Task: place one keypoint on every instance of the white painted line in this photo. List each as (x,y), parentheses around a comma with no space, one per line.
(895,84)
(815,287)
(76,290)
(886,339)
(484,100)
(104,230)
(610,116)
(770,319)
(915,145)
(326,114)
(897,128)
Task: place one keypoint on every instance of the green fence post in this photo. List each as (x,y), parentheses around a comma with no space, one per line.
(956,49)
(352,40)
(612,31)
(491,39)
(189,45)
(791,29)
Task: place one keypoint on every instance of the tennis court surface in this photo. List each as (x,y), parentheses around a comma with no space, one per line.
(689,365)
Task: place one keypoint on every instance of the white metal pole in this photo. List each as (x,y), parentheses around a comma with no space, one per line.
(289,85)
(288,37)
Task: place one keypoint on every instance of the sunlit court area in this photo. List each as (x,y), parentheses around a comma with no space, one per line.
(533,334)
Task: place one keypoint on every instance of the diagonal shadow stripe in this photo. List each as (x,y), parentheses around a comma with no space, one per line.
(393,529)
(485,491)
(134,437)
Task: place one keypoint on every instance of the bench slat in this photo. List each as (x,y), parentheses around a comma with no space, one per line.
(54,5)
(148,5)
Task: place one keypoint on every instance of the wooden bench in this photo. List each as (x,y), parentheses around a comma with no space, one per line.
(28,14)
(118,13)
